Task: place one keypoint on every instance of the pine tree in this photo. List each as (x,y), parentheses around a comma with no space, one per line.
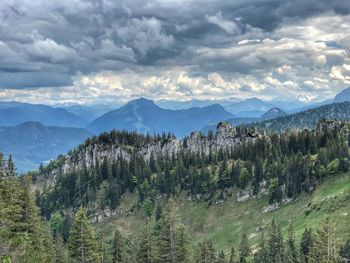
(221,258)
(275,243)
(206,252)
(262,256)
(2,166)
(324,246)
(10,168)
(171,250)
(244,249)
(148,249)
(118,247)
(344,252)
(232,255)
(82,241)
(182,244)
(306,244)
(291,254)
(61,252)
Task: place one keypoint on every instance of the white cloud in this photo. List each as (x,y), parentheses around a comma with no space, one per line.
(228,26)
(144,34)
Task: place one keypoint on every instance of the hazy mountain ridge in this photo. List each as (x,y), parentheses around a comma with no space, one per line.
(307,119)
(31,143)
(14,113)
(237,121)
(272,114)
(90,112)
(145,116)
(342,96)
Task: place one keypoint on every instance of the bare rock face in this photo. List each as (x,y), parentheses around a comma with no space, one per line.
(226,135)
(328,125)
(197,143)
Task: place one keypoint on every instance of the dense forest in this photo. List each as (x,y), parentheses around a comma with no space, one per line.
(55,226)
(24,237)
(284,165)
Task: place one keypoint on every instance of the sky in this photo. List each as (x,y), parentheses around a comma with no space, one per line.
(107,51)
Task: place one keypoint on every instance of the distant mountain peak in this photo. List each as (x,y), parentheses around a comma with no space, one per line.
(142,101)
(31,124)
(254,99)
(342,96)
(273,113)
(143,115)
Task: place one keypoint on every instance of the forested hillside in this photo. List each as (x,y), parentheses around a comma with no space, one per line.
(165,236)
(285,165)
(154,175)
(307,119)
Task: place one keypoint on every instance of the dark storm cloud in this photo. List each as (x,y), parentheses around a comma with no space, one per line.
(46,43)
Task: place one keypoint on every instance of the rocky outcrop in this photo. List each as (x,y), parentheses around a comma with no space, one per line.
(91,154)
(329,125)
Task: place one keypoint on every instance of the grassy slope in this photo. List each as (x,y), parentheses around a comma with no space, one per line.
(224,223)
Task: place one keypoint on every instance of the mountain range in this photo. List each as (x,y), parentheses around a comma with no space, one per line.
(145,116)
(45,131)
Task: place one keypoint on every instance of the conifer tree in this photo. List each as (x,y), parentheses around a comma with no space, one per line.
(2,166)
(275,243)
(232,258)
(61,252)
(148,249)
(118,247)
(305,244)
(324,246)
(206,252)
(244,249)
(10,168)
(182,244)
(291,253)
(262,256)
(344,252)
(82,241)
(171,250)
(221,258)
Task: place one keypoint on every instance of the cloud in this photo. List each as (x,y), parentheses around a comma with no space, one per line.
(172,49)
(144,34)
(228,26)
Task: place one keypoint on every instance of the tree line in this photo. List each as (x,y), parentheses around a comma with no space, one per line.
(284,164)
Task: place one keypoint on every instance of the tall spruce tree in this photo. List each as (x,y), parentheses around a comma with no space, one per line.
(244,249)
(291,252)
(118,248)
(275,243)
(262,256)
(148,249)
(305,244)
(206,252)
(10,168)
(82,242)
(172,238)
(324,246)
(344,252)
(233,258)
